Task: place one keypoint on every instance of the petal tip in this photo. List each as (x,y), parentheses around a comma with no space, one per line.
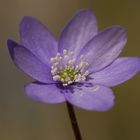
(24,18)
(26,22)
(88,10)
(10,42)
(11,45)
(117,29)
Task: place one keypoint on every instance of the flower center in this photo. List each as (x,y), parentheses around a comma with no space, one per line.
(67,70)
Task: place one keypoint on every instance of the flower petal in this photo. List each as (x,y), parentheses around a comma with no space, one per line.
(104,48)
(27,62)
(37,38)
(47,93)
(121,70)
(98,98)
(81,28)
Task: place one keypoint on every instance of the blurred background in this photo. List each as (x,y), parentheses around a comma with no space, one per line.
(24,119)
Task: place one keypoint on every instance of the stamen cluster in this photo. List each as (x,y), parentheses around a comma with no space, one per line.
(67,70)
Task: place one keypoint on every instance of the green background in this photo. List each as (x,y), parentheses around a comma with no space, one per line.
(24,119)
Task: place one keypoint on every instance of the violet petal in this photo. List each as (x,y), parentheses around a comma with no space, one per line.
(38,39)
(81,28)
(47,93)
(98,98)
(104,48)
(28,62)
(121,70)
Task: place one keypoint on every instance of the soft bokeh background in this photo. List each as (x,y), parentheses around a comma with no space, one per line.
(24,119)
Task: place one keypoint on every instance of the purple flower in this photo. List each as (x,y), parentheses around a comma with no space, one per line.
(80,67)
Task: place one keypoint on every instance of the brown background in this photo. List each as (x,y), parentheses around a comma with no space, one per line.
(24,119)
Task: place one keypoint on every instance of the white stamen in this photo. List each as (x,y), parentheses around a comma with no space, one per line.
(71,53)
(64,52)
(53,60)
(62,80)
(56,64)
(65,84)
(72,62)
(83,78)
(75,73)
(58,54)
(56,77)
(69,82)
(76,67)
(81,64)
(86,73)
(66,57)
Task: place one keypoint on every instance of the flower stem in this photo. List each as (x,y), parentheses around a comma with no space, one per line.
(74,123)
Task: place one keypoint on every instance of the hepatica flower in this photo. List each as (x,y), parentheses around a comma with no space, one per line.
(80,67)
